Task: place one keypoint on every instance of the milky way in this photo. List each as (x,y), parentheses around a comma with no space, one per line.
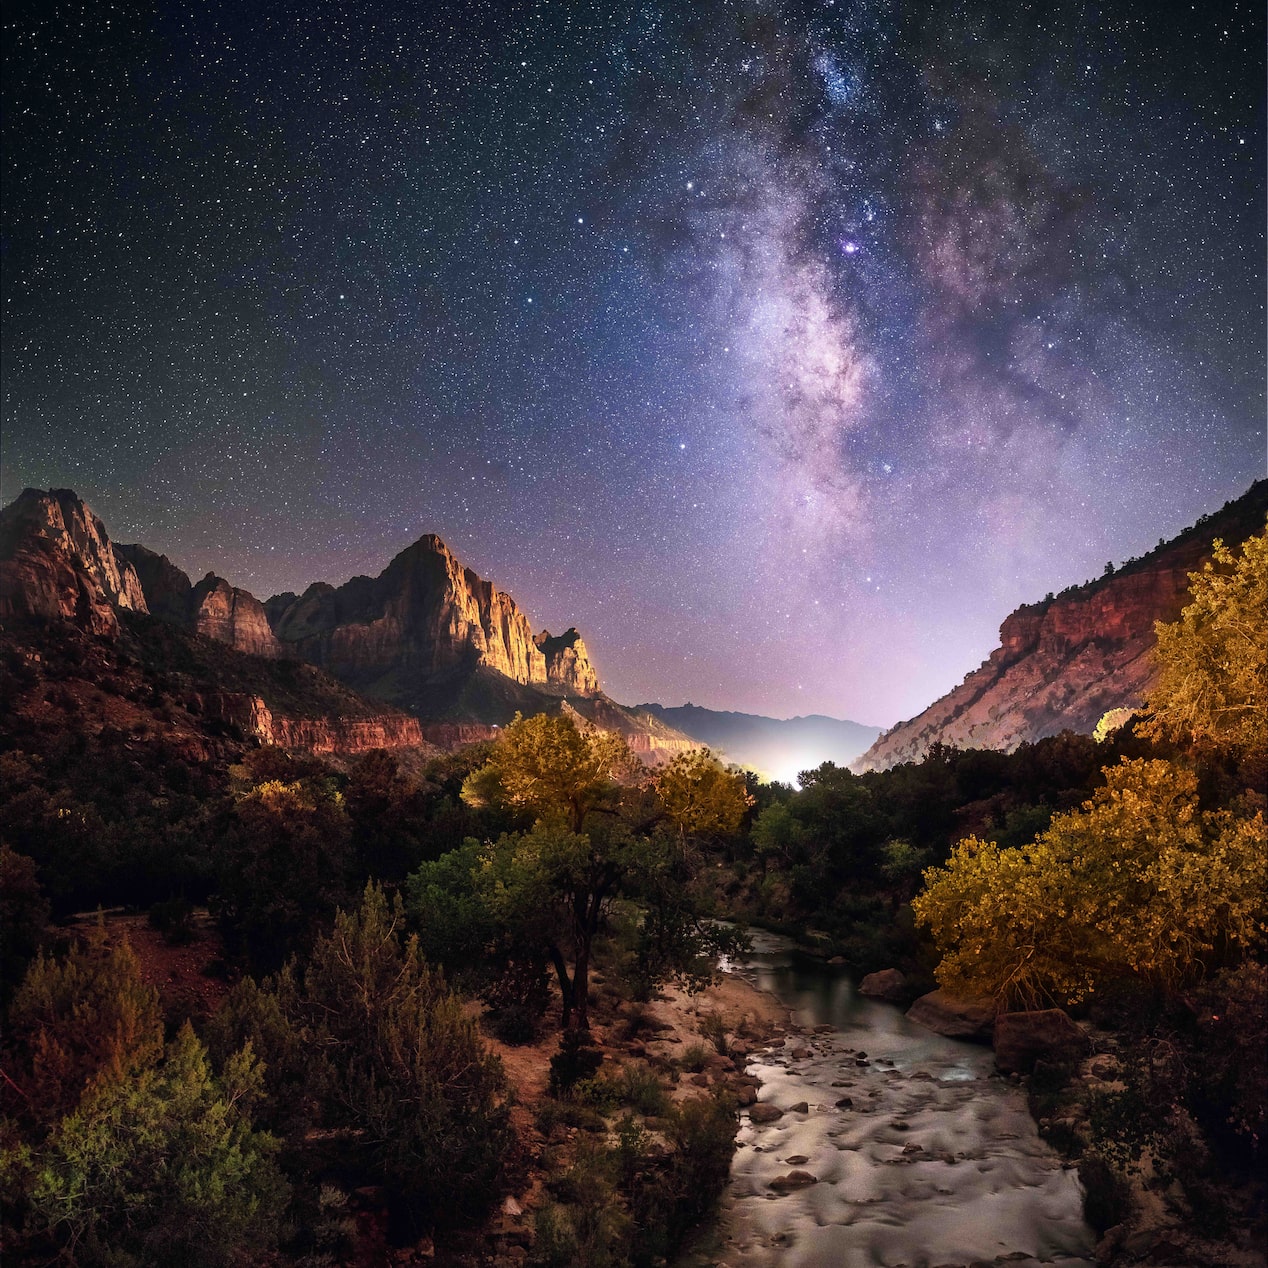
(782,348)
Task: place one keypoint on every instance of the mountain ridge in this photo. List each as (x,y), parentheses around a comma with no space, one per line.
(1065,661)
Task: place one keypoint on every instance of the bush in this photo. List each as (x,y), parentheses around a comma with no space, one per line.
(174,919)
(576,1059)
(695,1058)
(642,1089)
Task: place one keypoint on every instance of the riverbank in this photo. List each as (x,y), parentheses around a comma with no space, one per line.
(654,1059)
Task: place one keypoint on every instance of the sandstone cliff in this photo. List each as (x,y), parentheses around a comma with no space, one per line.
(1063,663)
(424,617)
(165,586)
(58,563)
(229,615)
(568,666)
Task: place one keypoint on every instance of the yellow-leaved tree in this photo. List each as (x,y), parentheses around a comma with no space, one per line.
(1213,662)
(1139,882)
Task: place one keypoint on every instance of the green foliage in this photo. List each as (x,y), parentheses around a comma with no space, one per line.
(407,1067)
(642,1090)
(284,865)
(577,1059)
(1140,882)
(78,1022)
(1213,662)
(163,1167)
(24,914)
(550,768)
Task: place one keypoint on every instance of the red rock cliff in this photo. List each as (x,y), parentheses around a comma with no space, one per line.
(58,563)
(229,615)
(568,667)
(1063,664)
(423,617)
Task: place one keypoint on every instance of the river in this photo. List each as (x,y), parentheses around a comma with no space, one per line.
(934,1160)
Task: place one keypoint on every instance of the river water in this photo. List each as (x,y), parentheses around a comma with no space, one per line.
(934,1161)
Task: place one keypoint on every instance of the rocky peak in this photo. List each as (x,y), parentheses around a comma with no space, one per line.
(229,615)
(425,616)
(57,563)
(568,666)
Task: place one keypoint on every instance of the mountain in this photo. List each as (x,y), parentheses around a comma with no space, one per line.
(57,563)
(1066,661)
(427,638)
(779,748)
(423,622)
(75,618)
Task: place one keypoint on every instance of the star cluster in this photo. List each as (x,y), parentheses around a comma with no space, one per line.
(783,348)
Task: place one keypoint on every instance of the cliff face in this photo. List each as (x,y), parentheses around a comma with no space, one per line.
(568,667)
(58,563)
(229,615)
(340,735)
(424,617)
(1062,664)
(165,586)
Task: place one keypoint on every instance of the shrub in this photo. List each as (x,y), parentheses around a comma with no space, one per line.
(576,1059)
(695,1058)
(642,1089)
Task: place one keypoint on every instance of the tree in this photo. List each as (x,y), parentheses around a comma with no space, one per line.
(284,865)
(1139,882)
(551,768)
(24,914)
(1213,662)
(700,796)
(407,1072)
(79,1021)
(163,1167)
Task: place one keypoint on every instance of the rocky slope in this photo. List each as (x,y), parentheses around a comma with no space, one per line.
(59,568)
(58,563)
(1063,663)
(428,637)
(422,619)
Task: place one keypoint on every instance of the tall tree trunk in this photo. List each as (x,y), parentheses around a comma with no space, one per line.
(566,988)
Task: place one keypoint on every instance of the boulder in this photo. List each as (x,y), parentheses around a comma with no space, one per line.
(765,1112)
(1023,1038)
(793,1180)
(888,984)
(945,1014)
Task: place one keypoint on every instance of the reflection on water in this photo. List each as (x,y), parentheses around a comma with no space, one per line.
(929,1161)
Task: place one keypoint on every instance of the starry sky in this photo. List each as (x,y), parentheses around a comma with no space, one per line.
(782,348)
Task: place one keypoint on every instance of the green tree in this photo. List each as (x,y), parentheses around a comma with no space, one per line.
(163,1167)
(1213,662)
(1139,882)
(408,1075)
(284,865)
(24,914)
(79,1021)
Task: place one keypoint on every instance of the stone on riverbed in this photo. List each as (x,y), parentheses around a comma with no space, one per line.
(956,1018)
(793,1180)
(888,984)
(765,1112)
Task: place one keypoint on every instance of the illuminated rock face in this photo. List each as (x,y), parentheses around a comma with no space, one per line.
(424,616)
(229,615)
(568,666)
(58,563)
(1062,664)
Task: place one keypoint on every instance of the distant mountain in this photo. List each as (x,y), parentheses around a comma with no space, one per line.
(777,747)
(1066,661)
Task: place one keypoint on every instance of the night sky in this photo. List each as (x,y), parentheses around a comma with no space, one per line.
(783,349)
